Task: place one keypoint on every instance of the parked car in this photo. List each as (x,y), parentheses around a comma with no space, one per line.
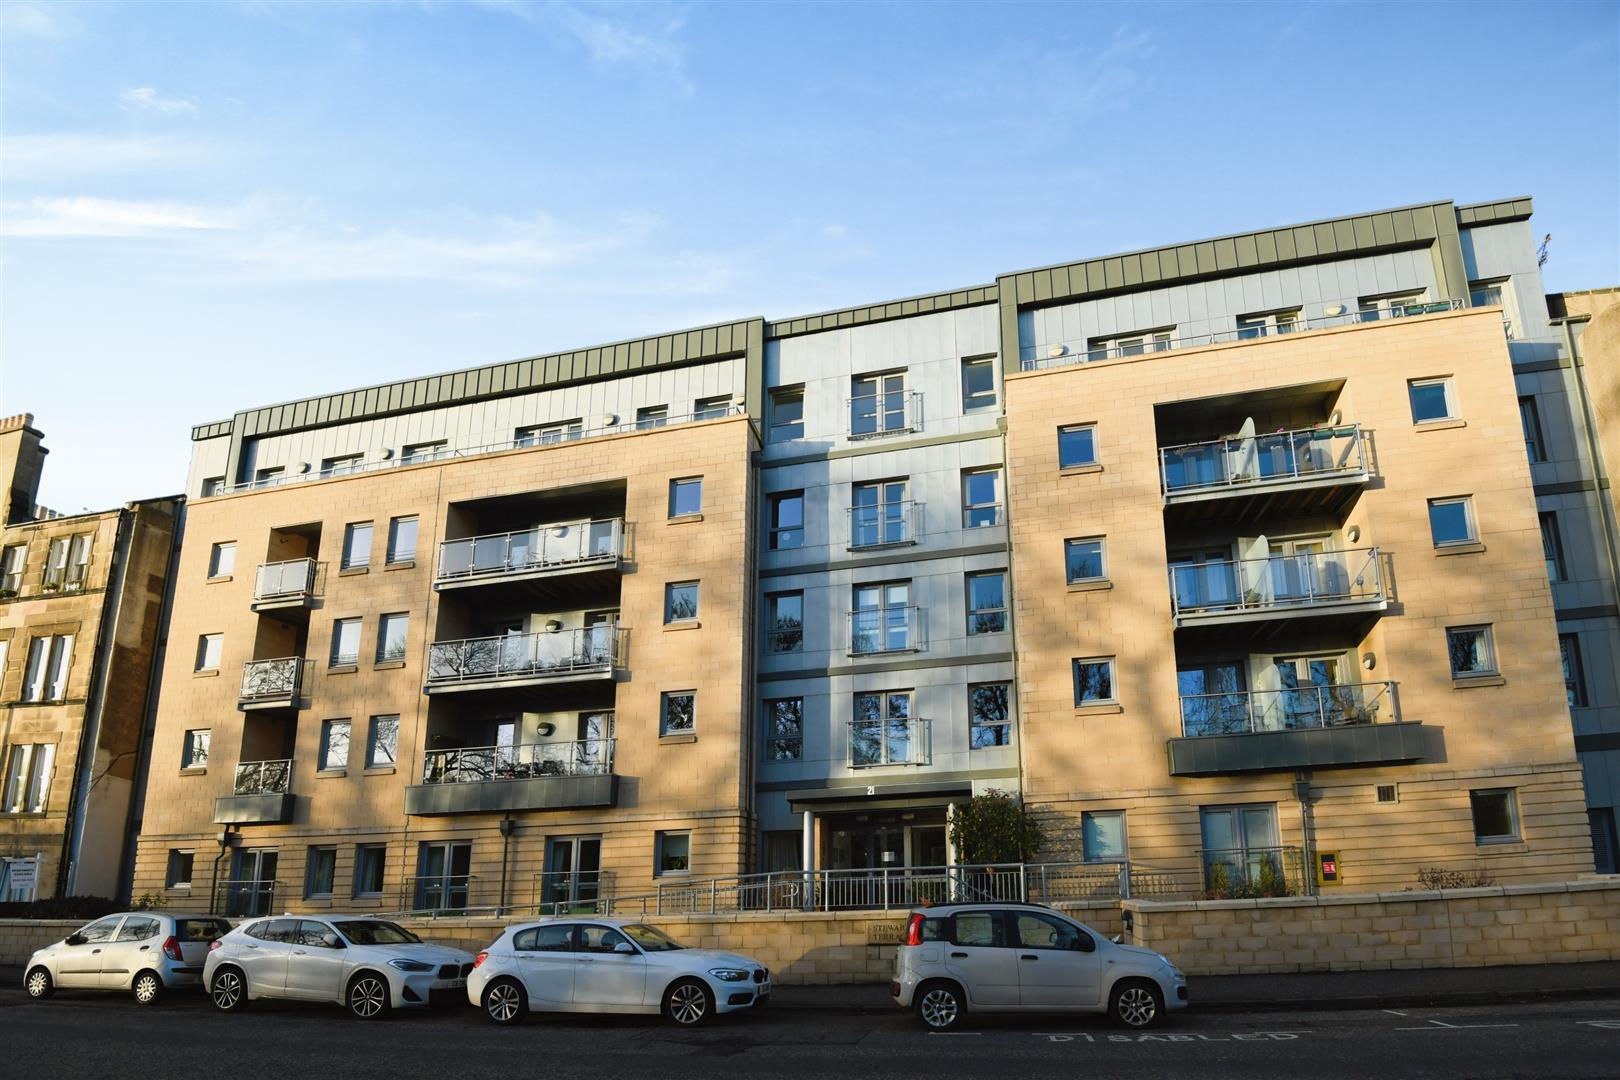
(143,952)
(1026,958)
(610,965)
(369,965)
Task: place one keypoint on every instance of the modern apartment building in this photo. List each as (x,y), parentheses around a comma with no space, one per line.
(1168,542)
(80,604)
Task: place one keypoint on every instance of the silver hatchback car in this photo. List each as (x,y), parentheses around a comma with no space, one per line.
(1026,958)
(142,952)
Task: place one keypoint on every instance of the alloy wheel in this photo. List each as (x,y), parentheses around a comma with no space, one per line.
(939,1008)
(147,988)
(368,998)
(39,983)
(688,1004)
(503,1003)
(227,990)
(1136,1006)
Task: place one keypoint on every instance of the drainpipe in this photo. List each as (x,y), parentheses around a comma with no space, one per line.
(1307,832)
(507,828)
(226,840)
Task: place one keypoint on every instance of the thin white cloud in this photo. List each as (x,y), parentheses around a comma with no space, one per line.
(36,157)
(645,36)
(85,215)
(34,20)
(148,98)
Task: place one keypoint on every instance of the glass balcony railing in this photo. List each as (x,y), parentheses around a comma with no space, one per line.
(1274,458)
(888,413)
(895,740)
(1275,582)
(273,680)
(1298,708)
(524,656)
(543,547)
(470,765)
(883,629)
(883,524)
(293,579)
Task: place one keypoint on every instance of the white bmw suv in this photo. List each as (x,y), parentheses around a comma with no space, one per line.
(610,965)
(367,964)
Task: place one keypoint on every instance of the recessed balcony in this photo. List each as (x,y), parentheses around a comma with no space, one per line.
(285,586)
(1316,726)
(261,795)
(274,684)
(1308,471)
(543,557)
(1344,585)
(494,779)
(526,660)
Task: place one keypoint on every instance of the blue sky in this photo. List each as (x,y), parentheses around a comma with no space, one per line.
(207,208)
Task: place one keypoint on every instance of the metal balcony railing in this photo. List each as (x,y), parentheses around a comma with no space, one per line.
(890,741)
(884,524)
(263,777)
(290,580)
(1263,459)
(981,515)
(245,898)
(1277,581)
(884,629)
(875,415)
(1292,709)
(471,765)
(270,680)
(438,894)
(543,547)
(786,636)
(565,652)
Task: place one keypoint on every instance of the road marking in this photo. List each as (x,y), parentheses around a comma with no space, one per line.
(1432,1025)
(959,1033)
(1394,1012)
(1607,1025)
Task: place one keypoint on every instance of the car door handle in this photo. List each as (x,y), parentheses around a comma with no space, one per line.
(586,960)
(300,952)
(1029,956)
(145,947)
(94,952)
(958,956)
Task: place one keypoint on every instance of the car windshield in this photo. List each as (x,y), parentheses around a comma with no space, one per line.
(376,932)
(649,939)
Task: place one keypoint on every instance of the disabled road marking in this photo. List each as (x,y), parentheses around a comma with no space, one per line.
(1394,1012)
(1607,1025)
(1236,1036)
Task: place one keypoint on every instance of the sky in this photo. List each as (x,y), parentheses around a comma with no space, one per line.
(206,208)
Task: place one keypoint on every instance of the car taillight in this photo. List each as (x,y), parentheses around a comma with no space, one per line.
(914,930)
(216,943)
(480,958)
(171,948)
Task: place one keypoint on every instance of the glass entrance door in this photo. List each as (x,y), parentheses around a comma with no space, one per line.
(252,888)
(573,874)
(443,875)
(1240,847)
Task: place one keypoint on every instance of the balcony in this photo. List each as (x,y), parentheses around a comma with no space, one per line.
(1346,586)
(493,779)
(274,684)
(873,416)
(877,630)
(892,740)
(1308,471)
(1297,728)
(881,525)
(525,660)
(261,796)
(538,554)
(284,586)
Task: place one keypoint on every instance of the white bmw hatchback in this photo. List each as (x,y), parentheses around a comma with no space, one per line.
(602,965)
(369,965)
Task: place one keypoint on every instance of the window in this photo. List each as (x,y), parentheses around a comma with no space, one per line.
(401,540)
(178,875)
(982,928)
(56,563)
(368,869)
(881,731)
(784,729)
(686,496)
(1135,343)
(269,476)
(1083,560)
(879,514)
(881,621)
(678,716)
(209,647)
(989,719)
(334,744)
(680,602)
(1387,793)
(49,659)
(222,560)
(1034,931)
(981,498)
(212,485)
(878,405)
(345,643)
(78,570)
(711,407)
(194,750)
(652,416)
(342,465)
(1451,521)
(12,564)
(1093,681)
(786,414)
(672,853)
(1431,399)
(320,866)
(139,928)
(28,778)
(785,632)
(987,602)
(1496,816)
(1497,293)
(1569,648)
(547,434)
(393,630)
(978,384)
(1530,419)
(1389,305)
(1077,445)
(553,937)
(357,544)
(1471,651)
(1270,322)
(1102,835)
(417,453)
(787,520)
(1552,546)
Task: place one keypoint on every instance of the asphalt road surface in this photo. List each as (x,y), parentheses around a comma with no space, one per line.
(88,1037)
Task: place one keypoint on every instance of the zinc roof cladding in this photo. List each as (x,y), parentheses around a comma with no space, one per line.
(972,296)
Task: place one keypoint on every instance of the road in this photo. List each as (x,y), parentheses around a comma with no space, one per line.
(88,1037)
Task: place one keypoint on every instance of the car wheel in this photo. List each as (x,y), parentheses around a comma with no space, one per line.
(505,1002)
(39,984)
(1136,1003)
(940,1006)
(688,1003)
(228,991)
(369,996)
(146,988)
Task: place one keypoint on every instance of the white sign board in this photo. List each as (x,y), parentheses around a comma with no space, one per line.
(20,879)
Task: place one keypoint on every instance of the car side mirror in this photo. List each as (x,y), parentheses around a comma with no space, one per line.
(332,941)
(624,947)
(73,939)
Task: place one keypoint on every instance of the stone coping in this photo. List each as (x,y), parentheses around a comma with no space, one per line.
(1581,885)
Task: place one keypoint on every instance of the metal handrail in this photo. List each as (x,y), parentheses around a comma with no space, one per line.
(977,510)
(243,896)
(884,524)
(1082,352)
(417,894)
(284,580)
(1263,458)
(1277,581)
(870,630)
(541,547)
(263,777)
(278,678)
(891,740)
(1241,712)
(910,418)
(526,761)
(563,652)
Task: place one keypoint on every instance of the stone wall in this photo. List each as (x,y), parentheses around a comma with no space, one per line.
(20,937)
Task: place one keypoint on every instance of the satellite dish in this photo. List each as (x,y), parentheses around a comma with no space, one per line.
(1057,350)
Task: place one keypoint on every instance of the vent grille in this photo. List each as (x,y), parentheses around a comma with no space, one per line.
(1388,793)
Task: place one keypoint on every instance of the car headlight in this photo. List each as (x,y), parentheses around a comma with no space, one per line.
(410,965)
(728,974)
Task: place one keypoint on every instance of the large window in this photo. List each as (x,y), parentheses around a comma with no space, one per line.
(393,630)
(416,453)
(28,778)
(67,562)
(672,853)
(787,520)
(1569,649)
(1451,521)
(1094,681)
(881,732)
(49,660)
(1083,560)
(1534,446)
(881,621)
(12,564)
(345,643)
(1135,343)
(785,631)
(878,404)
(678,714)
(651,416)
(222,560)
(209,648)
(987,602)
(784,729)
(786,414)
(981,498)
(978,384)
(1472,653)
(194,750)
(1496,816)
(401,540)
(680,602)
(178,873)
(547,434)
(1496,293)
(1077,446)
(320,866)
(356,545)
(989,718)
(1102,835)
(686,496)
(879,514)
(1431,400)
(334,744)
(1261,324)
(341,465)
(369,860)
(382,745)
(1552,546)
(711,408)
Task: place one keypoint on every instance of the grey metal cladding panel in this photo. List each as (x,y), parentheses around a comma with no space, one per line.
(1113,273)
(211,431)
(1248,251)
(1405,230)
(1043,285)
(1383,230)
(253,809)
(494,796)
(1225,254)
(1361,231)
(1274,751)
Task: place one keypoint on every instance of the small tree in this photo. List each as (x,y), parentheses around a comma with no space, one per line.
(994,828)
